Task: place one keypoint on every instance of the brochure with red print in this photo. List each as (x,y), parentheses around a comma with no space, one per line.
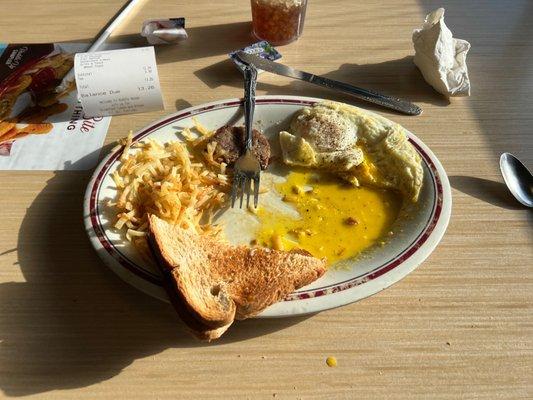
(41,129)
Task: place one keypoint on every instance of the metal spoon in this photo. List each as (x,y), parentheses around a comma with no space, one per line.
(517,178)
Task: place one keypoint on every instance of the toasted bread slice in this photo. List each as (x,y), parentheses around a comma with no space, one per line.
(211,282)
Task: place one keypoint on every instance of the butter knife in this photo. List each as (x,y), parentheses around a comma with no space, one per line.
(393,103)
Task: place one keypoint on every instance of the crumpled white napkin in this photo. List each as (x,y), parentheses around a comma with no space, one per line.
(440,57)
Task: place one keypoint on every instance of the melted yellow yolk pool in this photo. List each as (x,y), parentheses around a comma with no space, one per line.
(337,221)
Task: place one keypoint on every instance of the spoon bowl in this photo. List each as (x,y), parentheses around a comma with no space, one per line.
(517,178)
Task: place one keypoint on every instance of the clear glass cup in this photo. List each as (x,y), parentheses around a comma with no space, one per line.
(278,21)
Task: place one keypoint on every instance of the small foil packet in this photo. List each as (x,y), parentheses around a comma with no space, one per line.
(164,31)
(261,49)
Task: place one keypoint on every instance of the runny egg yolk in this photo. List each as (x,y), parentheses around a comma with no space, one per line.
(337,221)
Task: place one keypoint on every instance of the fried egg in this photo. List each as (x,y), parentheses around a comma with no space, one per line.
(358,146)
(321,138)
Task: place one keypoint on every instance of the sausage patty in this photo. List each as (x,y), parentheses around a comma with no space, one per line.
(230,145)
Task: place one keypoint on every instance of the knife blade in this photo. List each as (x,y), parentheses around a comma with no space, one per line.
(383,100)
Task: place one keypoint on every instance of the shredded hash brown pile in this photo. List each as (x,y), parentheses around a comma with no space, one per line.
(180,186)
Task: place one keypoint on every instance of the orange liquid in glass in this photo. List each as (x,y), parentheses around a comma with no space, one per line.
(278,21)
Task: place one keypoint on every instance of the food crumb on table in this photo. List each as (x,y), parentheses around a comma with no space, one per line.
(331,361)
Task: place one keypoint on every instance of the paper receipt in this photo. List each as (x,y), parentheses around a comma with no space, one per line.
(118,82)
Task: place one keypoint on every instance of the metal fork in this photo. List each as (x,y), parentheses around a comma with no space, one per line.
(247,168)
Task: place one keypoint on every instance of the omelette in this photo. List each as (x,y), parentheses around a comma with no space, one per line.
(360,147)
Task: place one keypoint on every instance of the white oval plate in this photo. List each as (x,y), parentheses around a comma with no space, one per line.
(365,276)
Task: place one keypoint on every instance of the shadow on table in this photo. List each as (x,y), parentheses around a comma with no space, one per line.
(72,322)
(208,41)
(203,41)
(181,104)
(492,192)
(398,78)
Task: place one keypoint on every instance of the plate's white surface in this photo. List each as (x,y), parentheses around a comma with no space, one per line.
(364,276)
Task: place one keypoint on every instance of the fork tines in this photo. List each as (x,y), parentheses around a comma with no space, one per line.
(242,185)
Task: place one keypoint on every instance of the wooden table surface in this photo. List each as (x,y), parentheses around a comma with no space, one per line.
(460,326)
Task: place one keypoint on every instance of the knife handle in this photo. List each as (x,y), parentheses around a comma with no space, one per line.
(368,95)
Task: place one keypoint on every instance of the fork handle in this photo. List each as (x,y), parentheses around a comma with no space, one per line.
(250,80)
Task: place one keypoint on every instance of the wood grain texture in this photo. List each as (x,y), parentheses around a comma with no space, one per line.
(460,326)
